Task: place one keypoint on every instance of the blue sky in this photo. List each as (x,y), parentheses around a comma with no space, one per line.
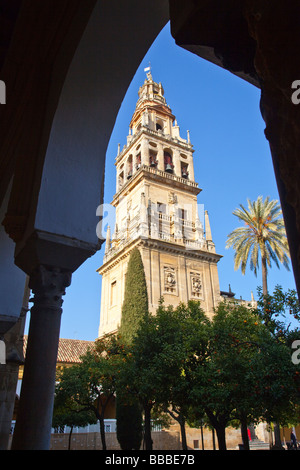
(232,163)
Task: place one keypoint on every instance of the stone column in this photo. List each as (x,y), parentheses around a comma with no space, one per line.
(9,374)
(190,162)
(177,163)
(33,426)
(145,152)
(160,158)
(144,232)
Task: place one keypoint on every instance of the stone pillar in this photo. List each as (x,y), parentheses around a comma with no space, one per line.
(145,152)
(8,383)
(144,232)
(33,426)
(177,163)
(160,158)
(190,162)
(9,374)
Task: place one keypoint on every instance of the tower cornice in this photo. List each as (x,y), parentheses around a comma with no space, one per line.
(160,245)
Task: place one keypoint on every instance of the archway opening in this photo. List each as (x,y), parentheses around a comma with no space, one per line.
(232,162)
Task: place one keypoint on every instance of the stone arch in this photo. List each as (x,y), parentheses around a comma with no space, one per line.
(71,103)
(129,166)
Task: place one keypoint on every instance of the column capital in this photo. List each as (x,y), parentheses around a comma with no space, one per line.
(48,285)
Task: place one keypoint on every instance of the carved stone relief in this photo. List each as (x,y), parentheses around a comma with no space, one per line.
(172,198)
(170,284)
(196,285)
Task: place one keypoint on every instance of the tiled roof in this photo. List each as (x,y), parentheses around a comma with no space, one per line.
(69,350)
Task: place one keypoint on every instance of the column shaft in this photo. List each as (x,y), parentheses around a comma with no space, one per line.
(34,420)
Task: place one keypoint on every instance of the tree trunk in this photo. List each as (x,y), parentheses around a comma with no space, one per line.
(220,430)
(213,438)
(220,427)
(70,435)
(202,440)
(181,421)
(102,432)
(265,292)
(277,435)
(147,435)
(264,274)
(244,432)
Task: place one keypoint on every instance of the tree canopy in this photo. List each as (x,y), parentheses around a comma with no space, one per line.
(234,366)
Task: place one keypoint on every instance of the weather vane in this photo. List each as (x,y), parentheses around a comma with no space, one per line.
(148,70)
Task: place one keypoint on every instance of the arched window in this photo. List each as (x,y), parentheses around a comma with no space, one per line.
(138,160)
(121,179)
(159,125)
(184,170)
(152,158)
(129,167)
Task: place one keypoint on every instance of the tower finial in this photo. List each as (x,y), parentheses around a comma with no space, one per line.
(188,137)
(207,228)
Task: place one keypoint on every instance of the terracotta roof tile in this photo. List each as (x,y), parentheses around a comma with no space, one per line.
(69,350)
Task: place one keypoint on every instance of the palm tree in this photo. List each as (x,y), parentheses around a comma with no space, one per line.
(263,234)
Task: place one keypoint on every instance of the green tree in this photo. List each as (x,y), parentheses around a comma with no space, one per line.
(151,363)
(263,236)
(277,311)
(156,373)
(245,374)
(186,321)
(134,308)
(135,303)
(138,381)
(92,383)
(67,412)
(129,411)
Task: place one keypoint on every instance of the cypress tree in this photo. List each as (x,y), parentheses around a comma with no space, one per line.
(135,307)
(135,304)
(129,424)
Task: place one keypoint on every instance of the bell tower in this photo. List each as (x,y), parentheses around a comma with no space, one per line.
(157,211)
